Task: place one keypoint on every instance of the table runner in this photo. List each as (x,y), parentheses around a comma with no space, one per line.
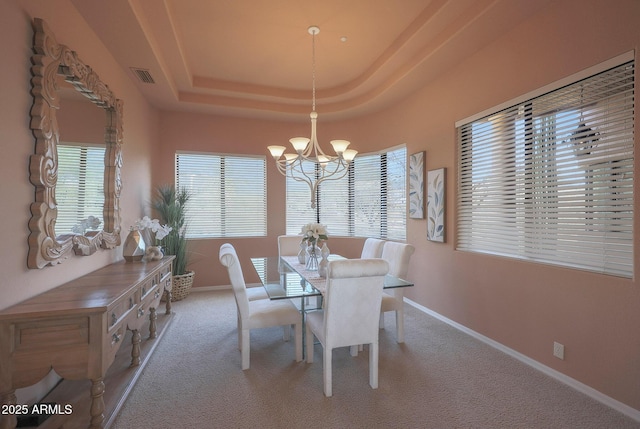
(312,277)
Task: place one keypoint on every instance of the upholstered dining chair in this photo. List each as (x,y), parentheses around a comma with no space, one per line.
(350,315)
(262,313)
(253,294)
(398,256)
(289,245)
(372,248)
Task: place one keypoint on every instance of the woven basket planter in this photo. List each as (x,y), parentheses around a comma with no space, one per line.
(182,286)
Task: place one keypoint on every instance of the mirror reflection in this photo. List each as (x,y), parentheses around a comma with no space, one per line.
(81,149)
(71,213)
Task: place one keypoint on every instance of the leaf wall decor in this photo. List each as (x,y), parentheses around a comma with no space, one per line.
(436,205)
(416,186)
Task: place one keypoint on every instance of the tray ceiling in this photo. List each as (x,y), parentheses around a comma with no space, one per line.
(253,58)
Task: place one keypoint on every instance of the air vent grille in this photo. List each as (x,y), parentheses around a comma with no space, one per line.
(143,75)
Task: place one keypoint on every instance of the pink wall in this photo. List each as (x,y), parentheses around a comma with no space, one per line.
(522,305)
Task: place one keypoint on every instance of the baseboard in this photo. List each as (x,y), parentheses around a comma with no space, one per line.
(209,288)
(571,382)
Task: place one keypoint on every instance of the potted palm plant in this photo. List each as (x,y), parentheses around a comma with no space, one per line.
(170,205)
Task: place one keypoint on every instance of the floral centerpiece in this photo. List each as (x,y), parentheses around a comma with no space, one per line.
(312,233)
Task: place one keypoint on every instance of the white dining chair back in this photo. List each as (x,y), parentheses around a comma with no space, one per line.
(253,294)
(289,245)
(372,248)
(350,317)
(261,313)
(229,258)
(398,255)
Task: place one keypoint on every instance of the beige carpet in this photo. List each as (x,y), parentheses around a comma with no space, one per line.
(440,378)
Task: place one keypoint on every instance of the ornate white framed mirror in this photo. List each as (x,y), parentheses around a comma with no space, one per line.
(50,244)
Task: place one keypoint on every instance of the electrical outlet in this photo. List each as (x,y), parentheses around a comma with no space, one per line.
(558,350)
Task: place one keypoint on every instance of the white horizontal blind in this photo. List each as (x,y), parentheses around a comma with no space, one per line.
(396,198)
(80,187)
(369,202)
(335,206)
(550,179)
(379,197)
(229,197)
(369,196)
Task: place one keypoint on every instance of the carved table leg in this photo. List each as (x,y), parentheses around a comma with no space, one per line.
(8,421)
(135,349)
(168,295)
(97,404)
(152,323)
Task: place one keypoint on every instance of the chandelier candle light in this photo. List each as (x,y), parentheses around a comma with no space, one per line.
(319,166)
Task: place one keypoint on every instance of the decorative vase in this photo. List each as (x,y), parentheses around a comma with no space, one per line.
(147,236)
(324,262)
(313,254)
(302,254)
(134,247)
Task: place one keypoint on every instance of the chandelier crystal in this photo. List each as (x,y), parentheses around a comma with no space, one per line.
(309,163)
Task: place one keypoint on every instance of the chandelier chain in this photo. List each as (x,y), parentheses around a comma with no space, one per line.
(309,164)
(313,69)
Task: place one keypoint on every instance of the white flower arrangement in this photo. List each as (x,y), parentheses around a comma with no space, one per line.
(314,232)
(147,225)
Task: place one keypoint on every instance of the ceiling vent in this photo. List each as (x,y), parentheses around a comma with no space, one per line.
(143,75)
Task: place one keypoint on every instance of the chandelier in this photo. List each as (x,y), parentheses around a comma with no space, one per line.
(309,163)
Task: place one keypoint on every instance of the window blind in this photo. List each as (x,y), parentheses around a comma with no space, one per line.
(80,188)
(298,204)
(228,194)
(395,200)
(550,179)
(335,205)
(370,201)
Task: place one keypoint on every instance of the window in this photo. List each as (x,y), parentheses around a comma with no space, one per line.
(370,201)
(229,194)
(80,188)
(550,179)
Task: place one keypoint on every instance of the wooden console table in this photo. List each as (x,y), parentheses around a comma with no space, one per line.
(78,327)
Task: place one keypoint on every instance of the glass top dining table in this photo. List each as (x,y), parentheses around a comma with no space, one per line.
(285,278)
